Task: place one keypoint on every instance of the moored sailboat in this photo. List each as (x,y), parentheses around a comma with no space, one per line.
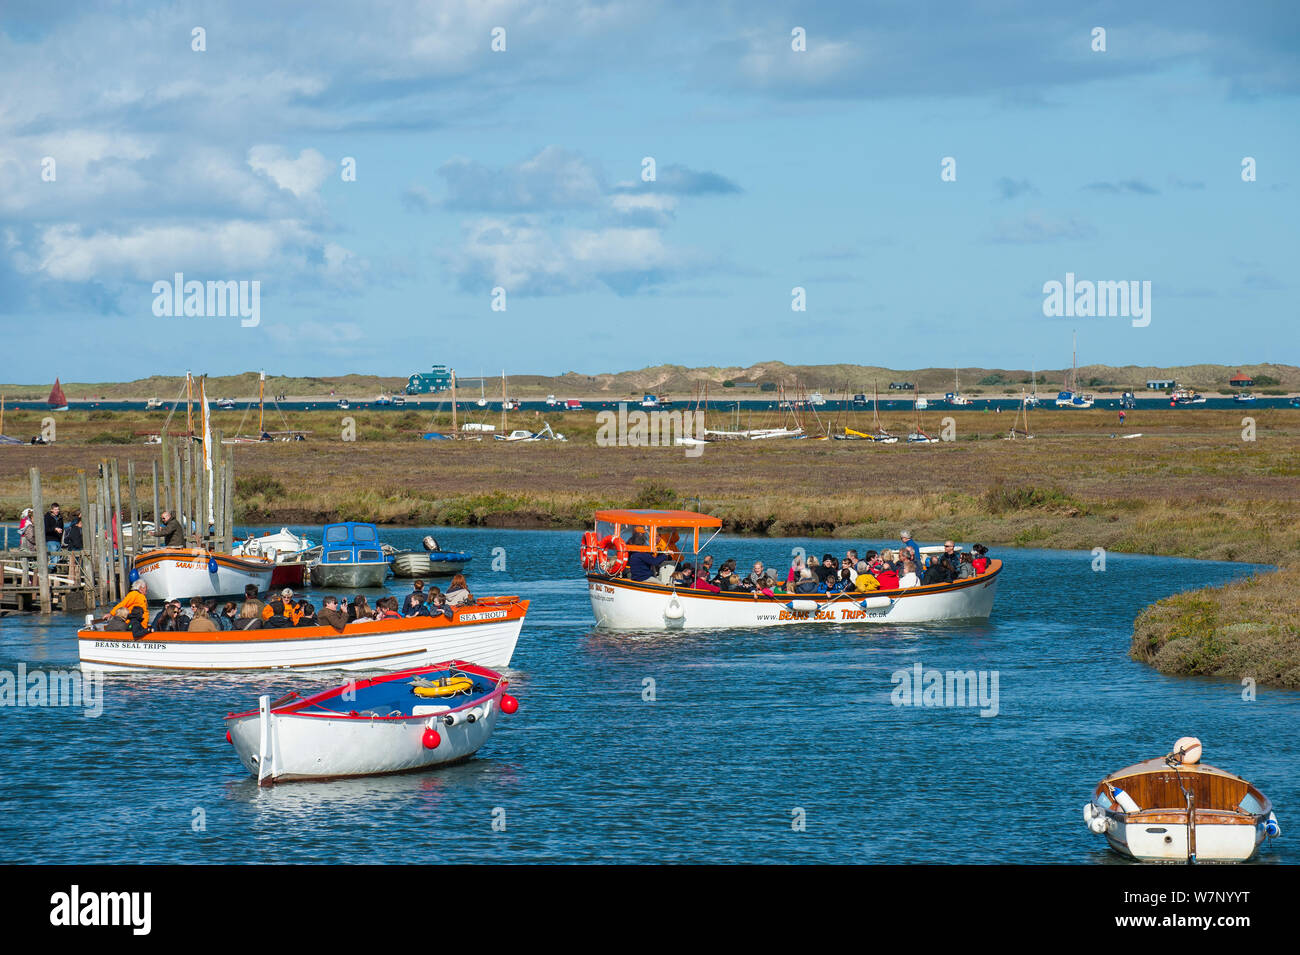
(57,401)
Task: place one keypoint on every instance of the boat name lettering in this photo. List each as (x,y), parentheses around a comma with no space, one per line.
(484,615)
(128,645)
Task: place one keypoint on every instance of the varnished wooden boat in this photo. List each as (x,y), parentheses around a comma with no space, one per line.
(1176,809)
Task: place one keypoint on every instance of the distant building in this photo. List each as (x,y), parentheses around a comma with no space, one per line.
(438,379)
(1160,384)
(901,386)
(1241,381)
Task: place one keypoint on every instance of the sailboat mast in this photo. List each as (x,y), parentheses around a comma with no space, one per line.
(503,401)
(453,402)
(189,403)
(261,402)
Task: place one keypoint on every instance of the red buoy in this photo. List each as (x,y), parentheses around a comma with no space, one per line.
(431,739)
(228,739)
(508,703)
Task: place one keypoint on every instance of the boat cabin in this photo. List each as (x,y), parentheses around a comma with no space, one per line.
(659,532)
(350,542)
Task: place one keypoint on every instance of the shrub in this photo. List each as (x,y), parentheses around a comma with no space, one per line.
(652,494)
(254,484)
(767,386)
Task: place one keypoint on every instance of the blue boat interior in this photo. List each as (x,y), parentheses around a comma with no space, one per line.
(448,556)
(397,697)
(350,542)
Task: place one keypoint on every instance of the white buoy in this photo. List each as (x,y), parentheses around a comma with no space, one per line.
(1126,802)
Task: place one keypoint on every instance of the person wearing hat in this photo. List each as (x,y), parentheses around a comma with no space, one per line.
(26,531)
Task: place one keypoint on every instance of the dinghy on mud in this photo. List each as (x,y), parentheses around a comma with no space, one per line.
(400,722)
(1176,809)
(620,603)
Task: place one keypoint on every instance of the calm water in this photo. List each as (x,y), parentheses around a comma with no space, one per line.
(745,728)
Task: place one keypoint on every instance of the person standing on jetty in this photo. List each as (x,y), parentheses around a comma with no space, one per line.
(171,532)
(53,533)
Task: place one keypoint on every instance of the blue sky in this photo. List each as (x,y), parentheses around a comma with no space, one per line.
(521,169)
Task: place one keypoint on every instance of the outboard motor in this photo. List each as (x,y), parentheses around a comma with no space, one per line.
(430,544)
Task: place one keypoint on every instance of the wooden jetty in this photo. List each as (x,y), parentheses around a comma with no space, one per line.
(112,517)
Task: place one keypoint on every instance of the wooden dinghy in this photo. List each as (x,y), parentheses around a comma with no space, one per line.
(400,722)
(1176,809)
(485,631)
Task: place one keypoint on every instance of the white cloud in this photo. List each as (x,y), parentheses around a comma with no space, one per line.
(302,176)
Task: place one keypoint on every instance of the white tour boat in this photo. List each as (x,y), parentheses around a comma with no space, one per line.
(485,631)
(620,603)
(399,722)
(178,573)
(1175,809)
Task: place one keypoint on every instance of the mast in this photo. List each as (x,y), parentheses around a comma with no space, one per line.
(503,401)
(1074,363)
(189,403)
(453,403)
(261,400)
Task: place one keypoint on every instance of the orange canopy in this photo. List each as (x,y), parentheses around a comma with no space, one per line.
(659,518)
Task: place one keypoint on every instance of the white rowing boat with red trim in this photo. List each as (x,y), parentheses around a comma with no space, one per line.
(399,722)
(178,573)
(619,603)
(485,631)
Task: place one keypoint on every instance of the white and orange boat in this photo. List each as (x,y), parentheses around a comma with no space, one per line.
(620,603)
(1175,808)
(485,631)
(178,573)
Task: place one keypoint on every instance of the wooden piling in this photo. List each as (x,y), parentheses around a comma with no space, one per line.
(84,571)
(155,495)
(42,558)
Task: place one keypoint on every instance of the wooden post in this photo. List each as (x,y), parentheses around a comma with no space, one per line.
(187,480)
(218,495)
(87,541)
(105,537)
(42,558)
(230,498)
(155,495)
(167,481)
(123,583)
(135,509)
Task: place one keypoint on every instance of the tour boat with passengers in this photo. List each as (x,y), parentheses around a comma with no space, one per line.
(484,631)
(1175,808)
(395,723)
(620,603)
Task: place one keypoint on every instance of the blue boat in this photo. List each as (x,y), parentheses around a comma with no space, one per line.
(434,562)
(351,557)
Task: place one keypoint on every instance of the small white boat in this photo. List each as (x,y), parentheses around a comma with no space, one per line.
(1176,809)
(399,401)
(343,404)
(485,631)
(411,720)
(432,563)
(922,404)
(153,404)
(1185,396)
(179,573)
(283,543)
(226,404)
(551,401)
(383,401)
(1243,397)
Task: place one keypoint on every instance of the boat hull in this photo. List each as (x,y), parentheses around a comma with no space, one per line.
(288,574)
(178,573)
(483,633)
(313,747)
(620,604)
(351,576)
(423,565)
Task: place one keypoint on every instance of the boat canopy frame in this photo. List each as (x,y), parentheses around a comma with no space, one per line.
(680,527)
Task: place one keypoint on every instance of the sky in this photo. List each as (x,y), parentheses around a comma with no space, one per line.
(621,184)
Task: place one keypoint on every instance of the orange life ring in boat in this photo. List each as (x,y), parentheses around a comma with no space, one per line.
(611,566)
(589,555)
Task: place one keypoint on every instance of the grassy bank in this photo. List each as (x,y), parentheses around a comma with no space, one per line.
(1190,487)
(1248,628)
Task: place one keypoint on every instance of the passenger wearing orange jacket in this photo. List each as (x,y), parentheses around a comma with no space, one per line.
(135,597)
(291,610)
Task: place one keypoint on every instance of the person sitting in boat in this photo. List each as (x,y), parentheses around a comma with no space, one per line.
(965,569)
(638,537)
(137,624)
(135,597)
(387,607)
(793,576)
(171,532)
(848,565)
(906,543)
(227,615)
(909,578)
(201,621)
(705,569)
(807,583)
(170,619)
(286,598)
(683,574)
(702,581)
(642,564)
(306,615)
(832,584)
(331,615)
(417,596)
(886,576)
(864,581)
(116,622)
(437,606)
(458,592)
(828,571)
(277,620)
(939,572)
(251,602)
(756,574)
(980,559)
(359,609)
(769,586)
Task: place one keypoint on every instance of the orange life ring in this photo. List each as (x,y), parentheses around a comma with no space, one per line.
(589,555)
(612,567)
